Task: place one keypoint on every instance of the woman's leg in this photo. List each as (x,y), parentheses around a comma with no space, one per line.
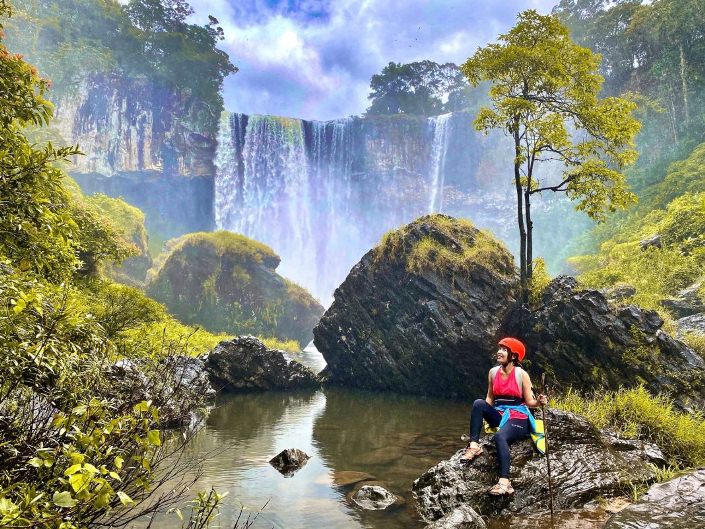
(481,410)
(513,430)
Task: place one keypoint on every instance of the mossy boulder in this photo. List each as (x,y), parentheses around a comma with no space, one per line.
(228,283)
(129,221)
(421,312)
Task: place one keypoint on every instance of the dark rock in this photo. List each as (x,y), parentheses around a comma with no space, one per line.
(289,461)
(651,242)
(462,517)
(374,498)
(632,449)
(576,337)
(686,303)
(620,292)
(583,467)
(245,364)
(695,323)
(675,504)
(420,329)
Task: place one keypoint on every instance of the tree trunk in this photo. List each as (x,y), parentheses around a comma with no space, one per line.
(684,85)
(529,238)
(520,218)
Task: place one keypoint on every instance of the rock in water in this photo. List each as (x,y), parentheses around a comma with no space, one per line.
(245,364)
(289,461)
(676,504)
(583,467)
(374,498)
(421,312)
(463,517)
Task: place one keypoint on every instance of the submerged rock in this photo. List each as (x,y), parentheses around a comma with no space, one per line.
(289,461)
(675,504)
(421,312)
(374,498)
(583,467)
(245,364)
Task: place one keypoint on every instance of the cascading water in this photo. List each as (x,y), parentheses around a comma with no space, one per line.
(439,126)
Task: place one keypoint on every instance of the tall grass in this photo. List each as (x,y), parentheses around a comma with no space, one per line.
(635,413)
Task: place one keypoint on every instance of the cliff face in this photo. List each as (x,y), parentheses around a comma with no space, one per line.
(146,144)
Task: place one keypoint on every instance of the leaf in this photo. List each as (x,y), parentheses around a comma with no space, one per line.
(154,438)
(72,470)
(119,462)
(36,462)
(63,499)
(124,498)
(141,406)
(79,481)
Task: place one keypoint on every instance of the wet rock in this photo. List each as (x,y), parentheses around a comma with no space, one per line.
(651,242)
(462,517)
(289,461)
(675,504)
(420,328)
(637,449)
(582,342)
(374,498)
(245,364)
(583,467)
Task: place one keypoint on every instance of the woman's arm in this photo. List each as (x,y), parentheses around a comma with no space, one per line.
(528,391)
(490,395)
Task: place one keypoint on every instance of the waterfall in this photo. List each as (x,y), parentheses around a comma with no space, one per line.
(439,126)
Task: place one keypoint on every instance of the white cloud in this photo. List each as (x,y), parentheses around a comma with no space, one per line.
(314,59)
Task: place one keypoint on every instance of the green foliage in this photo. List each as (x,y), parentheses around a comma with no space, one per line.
(227,283)
(539,281)
(634,413)
(656,273)
(145,39)
(422,88)
(452,247)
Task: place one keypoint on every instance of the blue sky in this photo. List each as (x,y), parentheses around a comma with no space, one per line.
(313,59)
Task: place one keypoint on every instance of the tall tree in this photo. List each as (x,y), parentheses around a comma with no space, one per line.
(543,94)
(420,88)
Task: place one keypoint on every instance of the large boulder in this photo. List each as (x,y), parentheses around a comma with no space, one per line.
(421,312)
(584,466)
(245,364)
(227,283)
(675,504)
(583,342)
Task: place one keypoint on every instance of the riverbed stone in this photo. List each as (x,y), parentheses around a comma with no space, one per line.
(462,517)
(675,504)
(374,498)
(246,364)
(583,466)
(289,461)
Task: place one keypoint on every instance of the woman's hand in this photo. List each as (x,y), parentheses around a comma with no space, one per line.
(542,399)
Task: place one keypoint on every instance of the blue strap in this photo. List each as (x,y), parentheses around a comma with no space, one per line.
(522,408)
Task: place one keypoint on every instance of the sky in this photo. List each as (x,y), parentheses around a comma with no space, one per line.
(313,59)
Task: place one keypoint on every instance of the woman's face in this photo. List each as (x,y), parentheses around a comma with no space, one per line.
(502,354)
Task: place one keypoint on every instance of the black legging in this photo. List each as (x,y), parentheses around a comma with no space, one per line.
(513,430)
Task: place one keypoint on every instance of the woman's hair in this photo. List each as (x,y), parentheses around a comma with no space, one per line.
(515,359)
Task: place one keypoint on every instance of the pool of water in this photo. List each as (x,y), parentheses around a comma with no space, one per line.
(391,439)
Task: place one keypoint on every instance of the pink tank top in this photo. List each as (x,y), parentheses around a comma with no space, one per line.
(508,387)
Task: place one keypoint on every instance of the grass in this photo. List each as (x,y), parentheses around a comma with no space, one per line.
(635,413)
(451,247)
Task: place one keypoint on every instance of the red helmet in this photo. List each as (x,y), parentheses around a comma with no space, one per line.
(515,346)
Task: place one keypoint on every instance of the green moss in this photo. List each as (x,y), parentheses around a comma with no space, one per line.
(450,247)
(637,413)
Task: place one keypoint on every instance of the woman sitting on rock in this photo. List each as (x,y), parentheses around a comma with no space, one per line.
(509,396)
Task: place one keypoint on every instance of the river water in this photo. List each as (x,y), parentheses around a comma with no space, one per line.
(386,438)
